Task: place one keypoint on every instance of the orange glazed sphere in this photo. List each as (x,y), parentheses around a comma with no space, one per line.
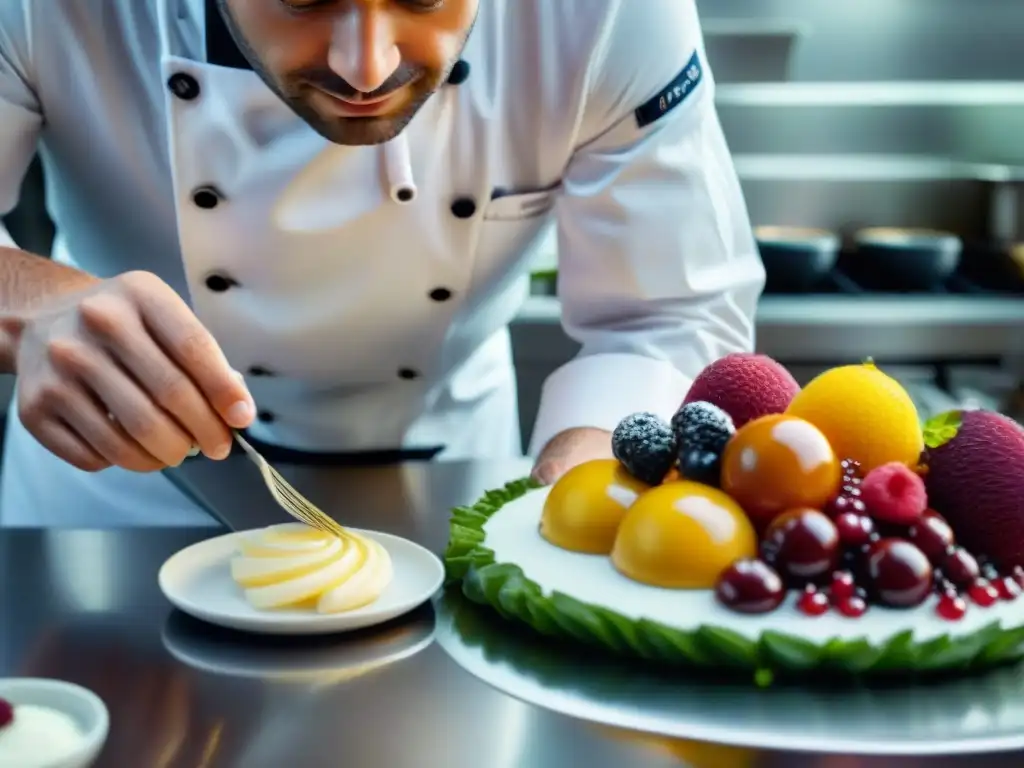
(777,463)
(585,506)
(682,535)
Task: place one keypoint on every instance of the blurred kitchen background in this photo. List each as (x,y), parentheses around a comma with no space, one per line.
(881,148)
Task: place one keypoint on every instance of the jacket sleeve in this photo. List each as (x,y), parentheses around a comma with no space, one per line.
(20,115)
(659,274)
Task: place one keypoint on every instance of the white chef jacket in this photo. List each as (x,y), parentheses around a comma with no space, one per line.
(361,321)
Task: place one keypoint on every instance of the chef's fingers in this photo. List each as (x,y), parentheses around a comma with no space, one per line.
(60,440)
(144,437)
(174,326)
(170,388)
(105,436)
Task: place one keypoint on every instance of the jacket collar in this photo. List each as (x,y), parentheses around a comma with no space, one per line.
(221,49)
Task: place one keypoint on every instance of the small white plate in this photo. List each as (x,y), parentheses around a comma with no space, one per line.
(197,580)
(83,706)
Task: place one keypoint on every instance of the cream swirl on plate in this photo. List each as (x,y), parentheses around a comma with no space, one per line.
(295,566)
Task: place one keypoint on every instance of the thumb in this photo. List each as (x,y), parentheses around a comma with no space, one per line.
(548,471)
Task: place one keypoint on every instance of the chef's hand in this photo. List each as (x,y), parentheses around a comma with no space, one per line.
(569,448)
(121,373)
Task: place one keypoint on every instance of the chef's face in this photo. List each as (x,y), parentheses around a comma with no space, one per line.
(356,70)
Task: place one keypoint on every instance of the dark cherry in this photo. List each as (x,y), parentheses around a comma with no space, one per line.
(803,543)
(951,607)
(983,593)
(6,713)
(960,567)
(852,607)
(1007,587)
(900,573)
(933,536)
(854,530)
(750,586)
(812,602)
(842,586)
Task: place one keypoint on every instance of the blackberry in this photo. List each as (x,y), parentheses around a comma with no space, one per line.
(701,467)
(646,446)
(702,431)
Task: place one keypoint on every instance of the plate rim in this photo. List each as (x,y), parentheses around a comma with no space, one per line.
(501,676)
(314,624)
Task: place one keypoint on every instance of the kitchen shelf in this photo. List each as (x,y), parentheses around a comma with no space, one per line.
(884,168)
(835,328)
(871,94)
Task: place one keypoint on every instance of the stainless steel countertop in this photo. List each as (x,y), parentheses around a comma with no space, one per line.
(85,606)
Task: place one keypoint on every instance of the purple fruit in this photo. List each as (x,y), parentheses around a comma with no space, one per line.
(975,480)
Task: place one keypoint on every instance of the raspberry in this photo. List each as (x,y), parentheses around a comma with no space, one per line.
(893,493)
(645,445)
(701,432)
(6,713)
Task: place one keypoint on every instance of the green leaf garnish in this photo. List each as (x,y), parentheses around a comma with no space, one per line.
(940,429)
(770,657)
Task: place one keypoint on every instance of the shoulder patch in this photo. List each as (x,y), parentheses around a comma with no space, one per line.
(673,94)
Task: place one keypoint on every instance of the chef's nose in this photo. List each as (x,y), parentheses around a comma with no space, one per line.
(363,49)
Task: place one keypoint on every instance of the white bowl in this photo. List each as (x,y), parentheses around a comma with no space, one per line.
(84,707)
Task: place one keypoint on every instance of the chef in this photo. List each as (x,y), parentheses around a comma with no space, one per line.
(314,220)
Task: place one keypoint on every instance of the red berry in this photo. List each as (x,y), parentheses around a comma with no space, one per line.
(852,607)
(894,494)
(750,586)
(983,593)
(933,536)
(900,574)
(1008,588)
(854,530)
(812,602)
(803,545)
(6,713)
(960,567)
(843,586)
(851,491)
(951,607)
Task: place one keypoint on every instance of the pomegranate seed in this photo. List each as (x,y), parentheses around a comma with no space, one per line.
(6,713)
(852,607)
(858,506)
(1008,588)
(851,491)
(1018,574)
(812,602)
(837,506)
(843,586)
(951,608)
(983,593)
